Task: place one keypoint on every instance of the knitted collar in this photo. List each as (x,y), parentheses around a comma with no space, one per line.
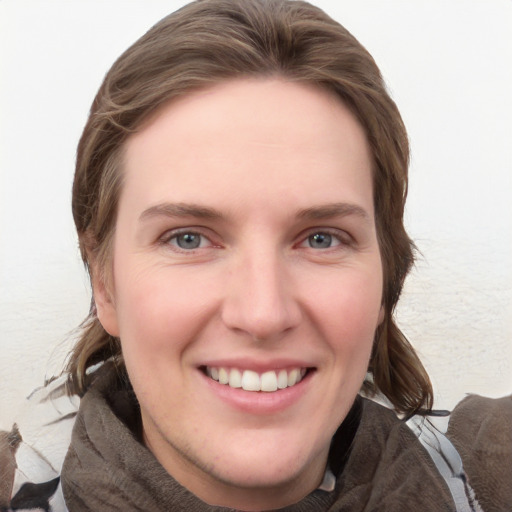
(374,459)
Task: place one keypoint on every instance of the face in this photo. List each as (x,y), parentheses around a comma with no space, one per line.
(247,285)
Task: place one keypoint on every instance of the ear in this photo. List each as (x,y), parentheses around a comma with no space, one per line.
(105,304)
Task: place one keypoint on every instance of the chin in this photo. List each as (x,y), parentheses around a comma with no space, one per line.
(272,460)
(263,484)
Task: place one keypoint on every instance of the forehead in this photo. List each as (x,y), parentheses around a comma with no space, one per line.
(262,136)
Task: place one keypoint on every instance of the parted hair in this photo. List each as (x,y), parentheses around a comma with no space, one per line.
(204,43)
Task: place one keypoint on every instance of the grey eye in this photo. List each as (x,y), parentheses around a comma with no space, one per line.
(188,240)
(320,241)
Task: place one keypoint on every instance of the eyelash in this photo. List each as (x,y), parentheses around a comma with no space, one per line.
(169,236)
(342,238)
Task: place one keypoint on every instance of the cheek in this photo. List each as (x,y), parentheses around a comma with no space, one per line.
(348,312)
(348,303)
(158,310)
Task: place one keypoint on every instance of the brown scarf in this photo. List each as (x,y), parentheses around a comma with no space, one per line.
(481,430)
(378,463)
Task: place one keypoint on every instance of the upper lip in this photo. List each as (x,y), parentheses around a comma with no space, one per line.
(258,366)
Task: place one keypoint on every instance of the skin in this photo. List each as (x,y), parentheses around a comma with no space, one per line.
(265,164)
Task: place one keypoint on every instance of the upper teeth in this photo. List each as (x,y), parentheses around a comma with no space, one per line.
(252,381)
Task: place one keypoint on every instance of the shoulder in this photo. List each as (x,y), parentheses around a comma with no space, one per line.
(481,430)
(32,453)
(387,465)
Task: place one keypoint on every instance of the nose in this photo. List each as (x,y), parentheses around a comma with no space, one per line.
(260,300)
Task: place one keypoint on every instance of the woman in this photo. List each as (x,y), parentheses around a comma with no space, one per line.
(239,196)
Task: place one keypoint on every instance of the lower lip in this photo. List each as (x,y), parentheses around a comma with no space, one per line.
(259,402)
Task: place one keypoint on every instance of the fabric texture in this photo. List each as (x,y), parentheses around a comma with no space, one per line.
(383,469)
(447,460)
(481,430)
(376,459)
(32,453)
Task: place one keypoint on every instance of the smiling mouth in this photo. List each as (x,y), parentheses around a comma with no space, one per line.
(249,380)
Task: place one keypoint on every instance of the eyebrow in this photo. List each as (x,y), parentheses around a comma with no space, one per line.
(329,211)
(321,212)
(180,210)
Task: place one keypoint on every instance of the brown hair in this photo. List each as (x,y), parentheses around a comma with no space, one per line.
(206,42)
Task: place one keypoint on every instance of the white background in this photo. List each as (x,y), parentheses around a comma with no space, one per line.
(448,66)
